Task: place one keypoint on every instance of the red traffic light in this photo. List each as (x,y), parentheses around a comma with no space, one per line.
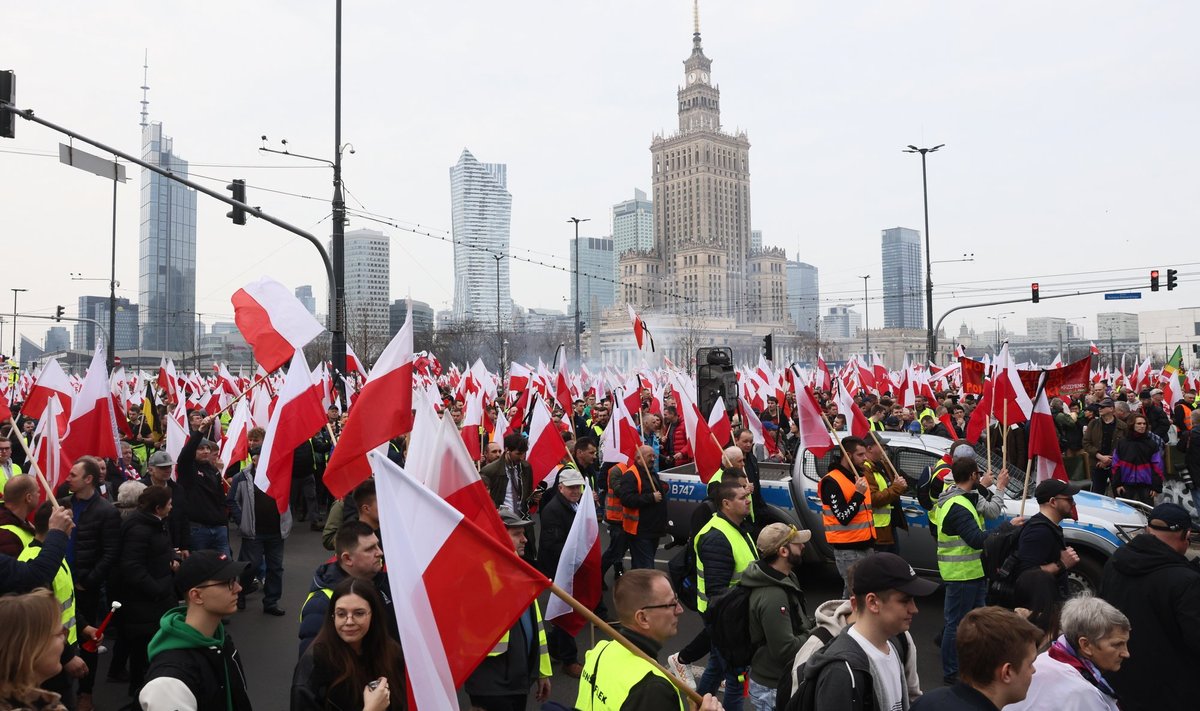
(1036,293)
(1153,280)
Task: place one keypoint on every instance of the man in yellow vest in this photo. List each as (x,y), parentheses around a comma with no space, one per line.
(846,512)
(960,539)
(521,658)
(8,468)
(615,679)
(723,550)
(20,500)
(885,498)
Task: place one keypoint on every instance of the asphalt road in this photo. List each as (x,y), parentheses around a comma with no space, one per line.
(268,644)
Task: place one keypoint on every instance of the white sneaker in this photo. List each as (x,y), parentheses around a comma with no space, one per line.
(682,671)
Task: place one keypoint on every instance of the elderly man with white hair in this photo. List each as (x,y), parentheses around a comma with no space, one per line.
(1069,676)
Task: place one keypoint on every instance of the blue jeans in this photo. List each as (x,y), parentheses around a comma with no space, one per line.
(641,551)
(762,696)
(210,538)
(962,596)
(710,681)
(268,549)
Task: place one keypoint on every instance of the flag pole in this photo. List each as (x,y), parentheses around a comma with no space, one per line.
(37,471)
(845,454)
(242,394)
(623,641)
(1025,488)
(886,459)
(1004,439)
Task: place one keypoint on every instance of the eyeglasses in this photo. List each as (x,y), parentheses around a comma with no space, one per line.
(356,615)
(231,583)
(1065,498)
(670,605)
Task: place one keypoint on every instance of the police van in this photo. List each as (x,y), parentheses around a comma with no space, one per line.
(790,491)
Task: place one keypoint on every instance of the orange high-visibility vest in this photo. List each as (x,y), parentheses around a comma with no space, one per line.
(858,529)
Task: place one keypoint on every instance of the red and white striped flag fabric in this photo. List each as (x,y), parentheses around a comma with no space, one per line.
(435,555)
(641,334)
(579,567)
(382,411)
(719,424)
(92,428)
(447,470)
(51,381)
(355,365)
(856,422)
(814,435)
(754,424)
(1043,441)
(546,446)
(297,416)
(236,446)
(273,321)
(48,451)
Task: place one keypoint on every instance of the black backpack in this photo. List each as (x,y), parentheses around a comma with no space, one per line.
(999,558)
(729,618)
(805,696)
(682,571)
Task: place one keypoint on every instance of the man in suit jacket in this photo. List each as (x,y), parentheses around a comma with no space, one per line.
(509,480)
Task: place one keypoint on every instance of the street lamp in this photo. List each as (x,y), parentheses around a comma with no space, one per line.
(866,316)
(998,318)
(1165,332)
(499,330)
(14,347)
(577,220)
(928,266)
(1068,320)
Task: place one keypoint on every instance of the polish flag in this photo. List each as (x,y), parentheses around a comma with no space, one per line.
(707,451)
(1043,441)
(382,411)
(640,332)
(48,452)
(273,322)
(92,428)
(354,365)
(1010,403)
(752,423)
(620,440)
(177,431)
(546,446)
(51,381)
(236,447)
(168,382)
(472,423)
(434,555)
(718,422)
(579,567)
(440,460)
(856,421)
(824,380)
(297,416)
(814,435)
(1093,349)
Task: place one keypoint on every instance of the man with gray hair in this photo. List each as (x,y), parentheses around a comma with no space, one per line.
(1072,672)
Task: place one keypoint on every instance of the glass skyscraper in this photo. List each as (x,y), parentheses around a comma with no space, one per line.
(596,259)
(167,250)
(903,279)
(803,296)
(481,214)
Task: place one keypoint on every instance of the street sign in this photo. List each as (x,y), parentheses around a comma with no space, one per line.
(92,164)
(1123,295)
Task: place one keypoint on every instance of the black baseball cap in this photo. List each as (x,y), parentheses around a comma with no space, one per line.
(888,571)
(203,566)
(1053,487)
(1170,517)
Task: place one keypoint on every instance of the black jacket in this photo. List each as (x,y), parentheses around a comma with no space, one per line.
(203,670)
(757,500)
(97,541)
(309,458)
(1159,591)
(652,515)
(178,527)
(959,697)
(841,672)
(311,691)
(202,482)
(143,580)
(557,518)
(18,576)
(1041,541)
(716,556)
(327,577)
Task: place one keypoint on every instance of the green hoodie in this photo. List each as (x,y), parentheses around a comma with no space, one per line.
(175,633)
(779,622)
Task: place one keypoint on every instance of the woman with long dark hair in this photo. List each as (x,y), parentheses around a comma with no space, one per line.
(353,663)
(31,644)
(1137,463)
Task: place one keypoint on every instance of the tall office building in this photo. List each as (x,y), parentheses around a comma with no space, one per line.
(96,308)
(633,224)
(167,261)
(58,338)
(803,296)
(755,240)
(481,213)
(596,283)
(305,295)
(30,352)
(1114,325)
(368,290)
(903,279)
(841,322)
(1047,328)
(422,317)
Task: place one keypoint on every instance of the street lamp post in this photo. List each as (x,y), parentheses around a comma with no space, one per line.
(928,267)
(998,318)
(499,323)
(577,220)
(14,341)
(1165,332)
(866,316)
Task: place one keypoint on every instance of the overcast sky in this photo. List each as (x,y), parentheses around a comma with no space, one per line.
(1070,130)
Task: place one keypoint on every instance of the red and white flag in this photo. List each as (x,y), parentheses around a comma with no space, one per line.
(51,381)
(297,416)
(273,321)
(641,334)
(719,424)
(48,452)
(1043,441)
(578,568)
(856,422)
(814,435)
(92,428)
(754,424)
(434,555)
(236,446)
(546,446)
(354,365)
(381,412)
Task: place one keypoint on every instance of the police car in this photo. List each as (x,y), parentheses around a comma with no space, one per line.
(1104,523)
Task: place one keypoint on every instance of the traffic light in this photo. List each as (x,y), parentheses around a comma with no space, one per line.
(1036,294)
(59,314)
(238,188)
(769,346)
(1172,279)
(1153,280)
(8,95)
(1196,348)
(581,327)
